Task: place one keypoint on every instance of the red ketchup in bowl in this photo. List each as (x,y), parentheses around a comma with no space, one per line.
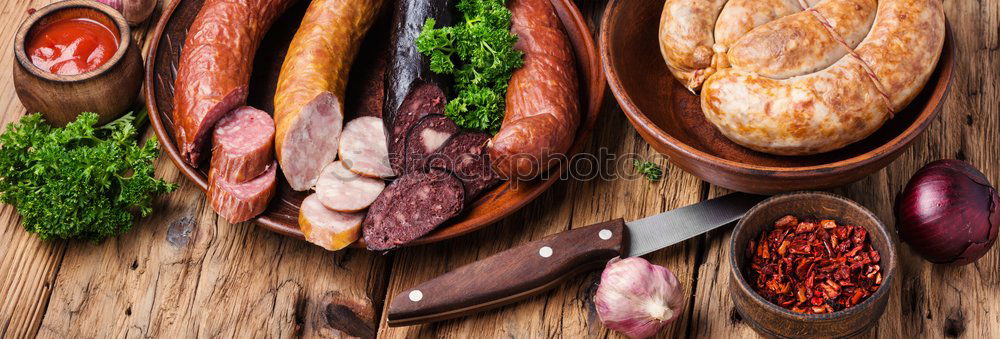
(72,46)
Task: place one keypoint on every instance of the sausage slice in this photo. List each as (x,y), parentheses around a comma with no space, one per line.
(363,149)
(465,156)
(425,138)
(329,229)
(341,190)
(238,202)
(413,205)
(243,144)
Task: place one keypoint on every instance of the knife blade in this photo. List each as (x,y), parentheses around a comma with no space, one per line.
(534,267)
(648,234)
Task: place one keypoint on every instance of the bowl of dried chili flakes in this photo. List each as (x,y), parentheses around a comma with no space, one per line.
(811,264)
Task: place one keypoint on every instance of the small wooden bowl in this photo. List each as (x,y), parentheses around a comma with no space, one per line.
(771,319)
(108,90)
(281,215)
(669,117)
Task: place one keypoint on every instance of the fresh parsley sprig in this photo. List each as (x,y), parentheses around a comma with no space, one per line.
(649,169)
(79,181)
(479,52)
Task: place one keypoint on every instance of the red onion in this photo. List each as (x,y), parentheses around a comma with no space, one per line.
(948,213)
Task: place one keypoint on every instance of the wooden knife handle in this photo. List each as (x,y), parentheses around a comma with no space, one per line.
(509,276)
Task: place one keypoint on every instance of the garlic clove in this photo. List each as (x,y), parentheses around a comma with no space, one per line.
(637,298)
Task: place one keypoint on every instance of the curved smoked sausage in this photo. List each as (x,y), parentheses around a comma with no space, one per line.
(543,107)
(214,67)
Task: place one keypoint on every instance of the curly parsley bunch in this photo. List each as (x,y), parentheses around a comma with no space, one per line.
(79,181)
(479,52)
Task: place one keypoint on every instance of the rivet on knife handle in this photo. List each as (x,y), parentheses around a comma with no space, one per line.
(509,276)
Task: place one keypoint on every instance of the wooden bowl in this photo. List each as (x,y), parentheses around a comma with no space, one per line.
(773,320)
(282,214)
(669,117)
(108,90)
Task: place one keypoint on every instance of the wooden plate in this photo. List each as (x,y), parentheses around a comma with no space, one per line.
(670,119)
(282,214)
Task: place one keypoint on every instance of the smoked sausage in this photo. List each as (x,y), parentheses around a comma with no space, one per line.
(309,99)
(542,107)
(214,67)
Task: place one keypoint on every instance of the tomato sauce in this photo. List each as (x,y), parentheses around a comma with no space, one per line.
(72,46)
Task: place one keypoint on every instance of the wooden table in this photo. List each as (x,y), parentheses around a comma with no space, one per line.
(185,272)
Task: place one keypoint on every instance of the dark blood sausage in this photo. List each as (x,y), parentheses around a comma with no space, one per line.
(542,112)
(214,67)
(426,137)
(408,69)
(412,206)
(425,99)
(243,144)
(238,202)
(465,156)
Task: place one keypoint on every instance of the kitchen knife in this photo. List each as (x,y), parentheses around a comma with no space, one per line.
(534,267)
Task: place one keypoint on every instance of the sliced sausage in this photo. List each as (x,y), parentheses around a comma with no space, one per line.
(425,99)
(425,138)
(329,229)
(214,66)
(412,90)
(341,190)
(243,145)
(238,202)
(543,106)
(309,99)
(363,149)
(413,205)
(465,156)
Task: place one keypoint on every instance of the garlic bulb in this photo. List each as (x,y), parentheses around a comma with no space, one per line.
(637,298)
(134,11)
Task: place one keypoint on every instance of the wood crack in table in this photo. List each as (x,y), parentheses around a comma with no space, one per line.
(184,272)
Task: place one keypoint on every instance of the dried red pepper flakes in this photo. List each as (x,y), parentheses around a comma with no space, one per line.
(813,266)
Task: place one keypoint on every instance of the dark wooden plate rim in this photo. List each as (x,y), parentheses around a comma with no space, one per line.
(946,64)
(884,288)
(593,91)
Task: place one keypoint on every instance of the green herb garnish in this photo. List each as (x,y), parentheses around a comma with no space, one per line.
(649,169)
(79,181)
(479,52)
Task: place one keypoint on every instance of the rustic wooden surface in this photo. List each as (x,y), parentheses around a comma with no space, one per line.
(185,272)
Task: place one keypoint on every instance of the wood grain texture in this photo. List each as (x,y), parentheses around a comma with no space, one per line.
(224,279)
